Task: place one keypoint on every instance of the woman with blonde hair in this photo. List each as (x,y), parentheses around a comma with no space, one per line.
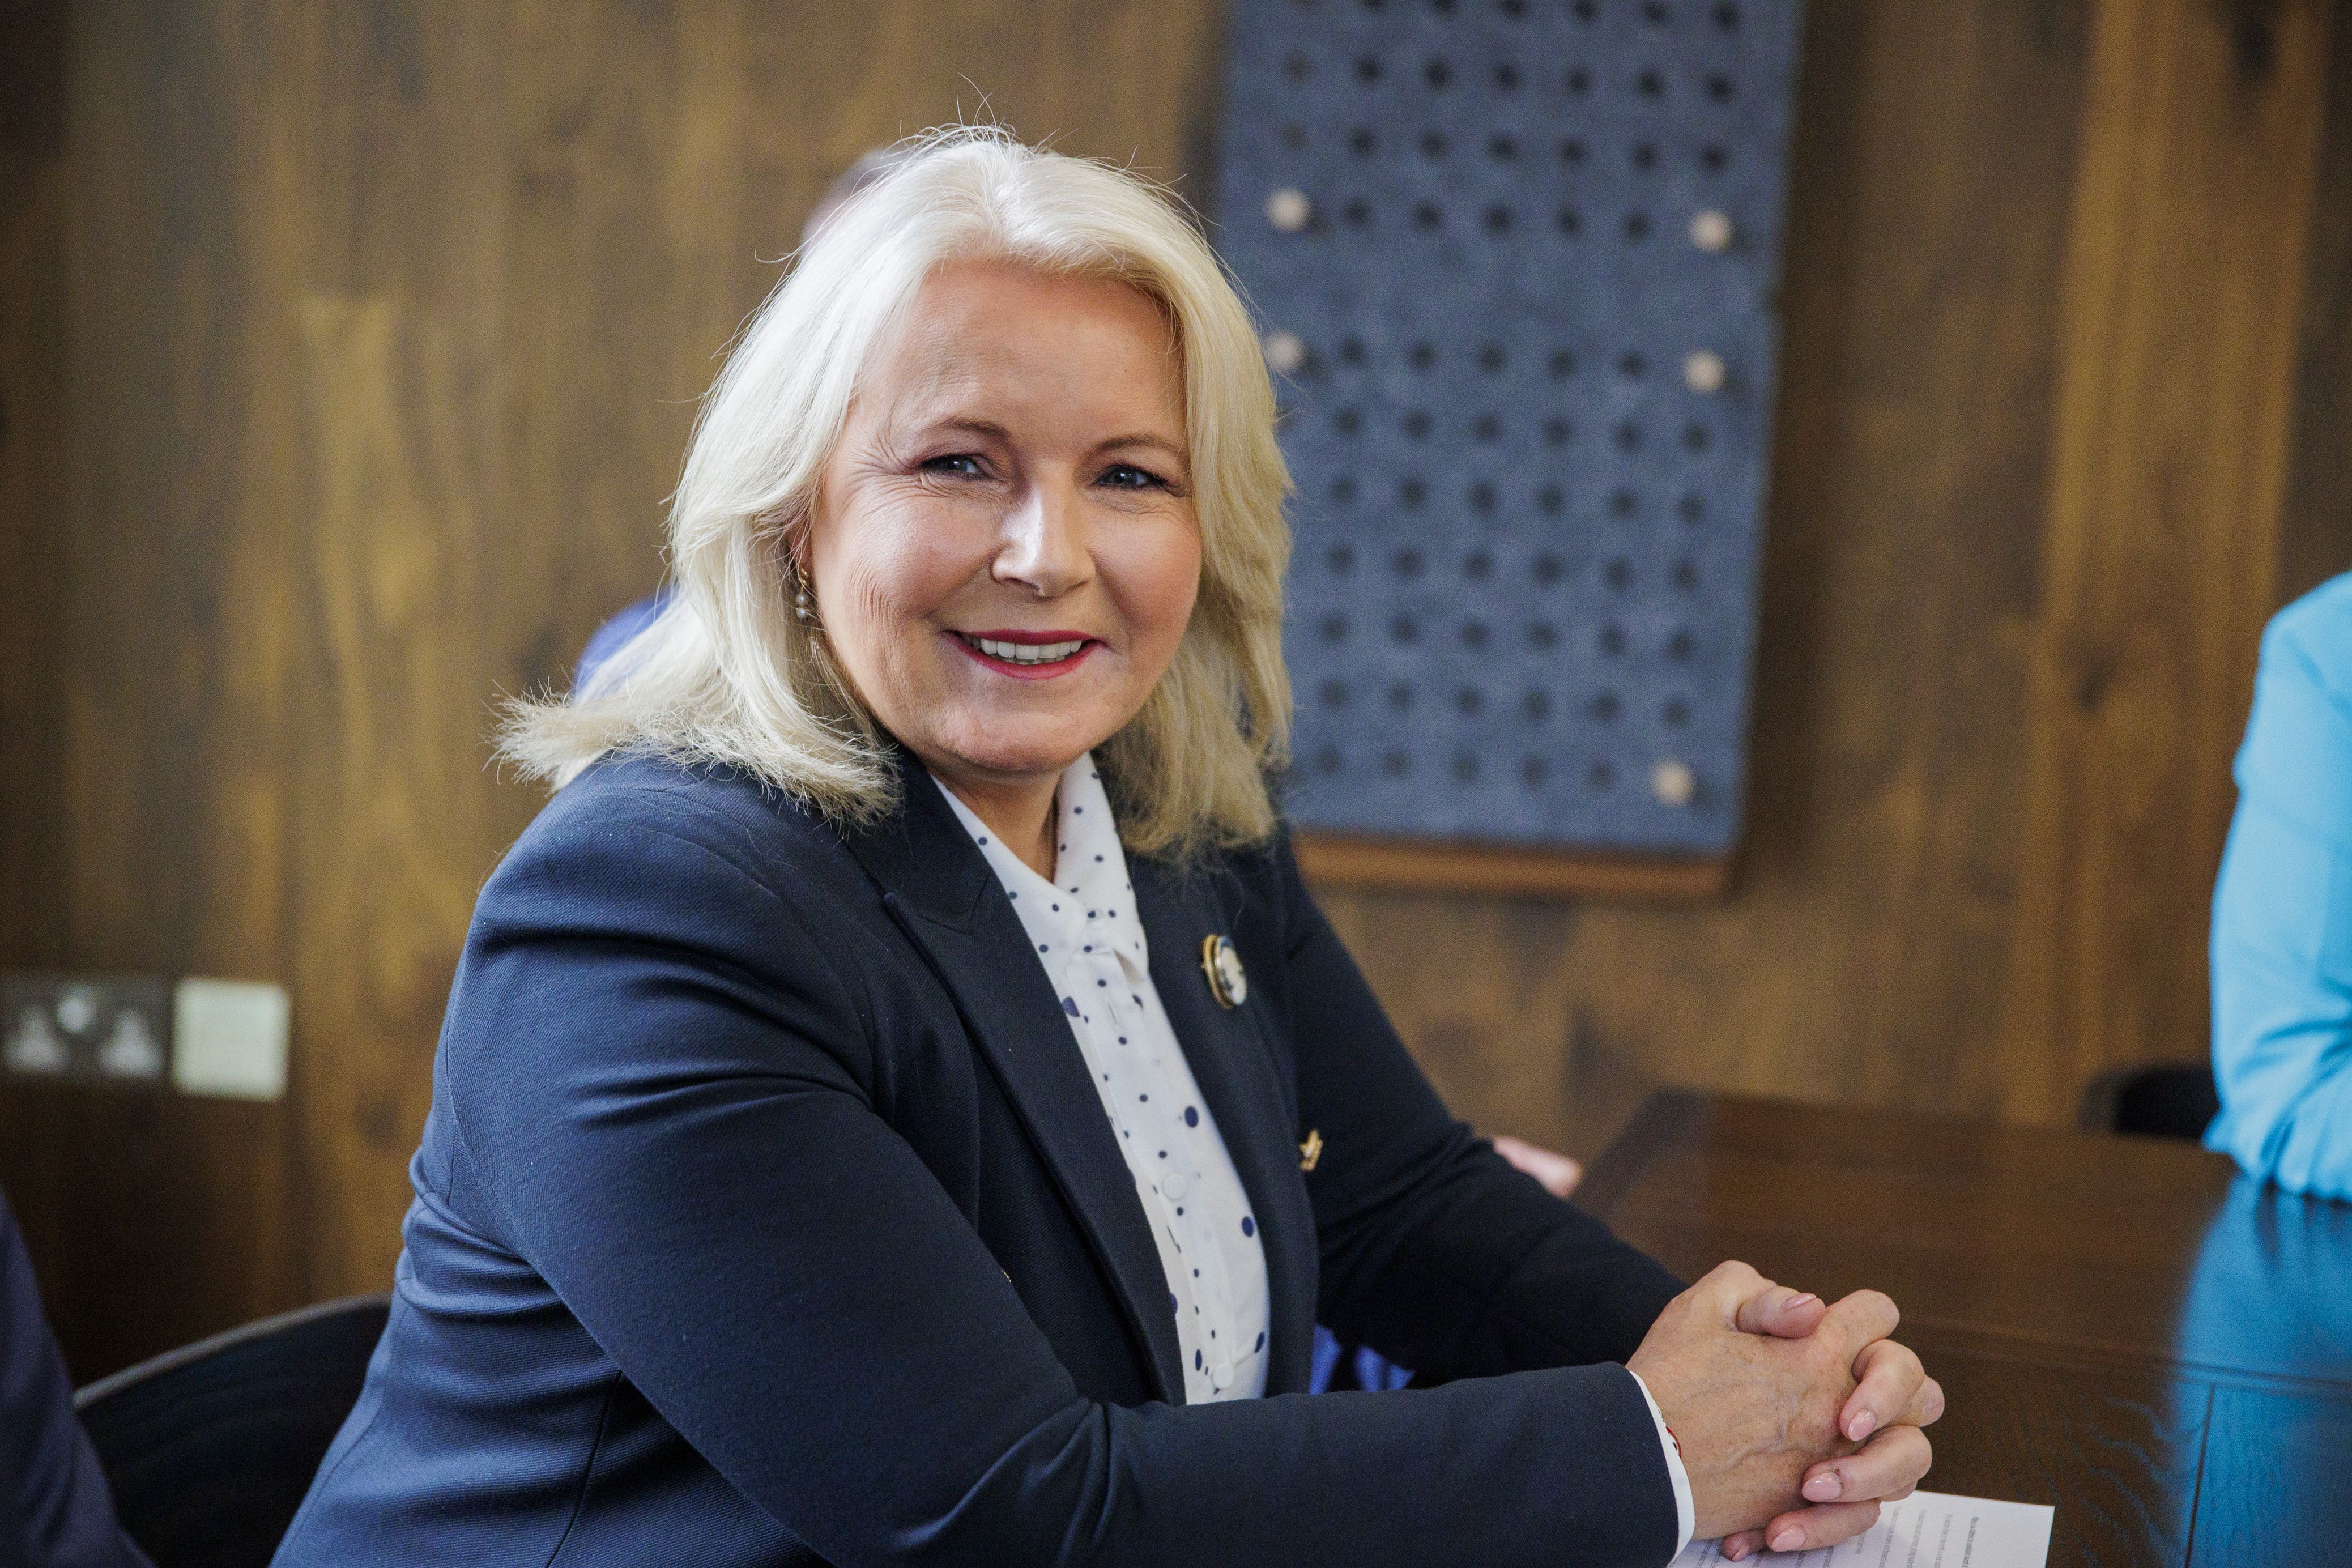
(900,1103)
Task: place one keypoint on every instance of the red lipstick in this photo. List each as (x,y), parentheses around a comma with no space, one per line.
(977,647)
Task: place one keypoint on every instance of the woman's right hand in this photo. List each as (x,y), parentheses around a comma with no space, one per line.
(1764,1409)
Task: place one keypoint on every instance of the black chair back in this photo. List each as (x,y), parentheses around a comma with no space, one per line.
(2169,1100)
(210,1448)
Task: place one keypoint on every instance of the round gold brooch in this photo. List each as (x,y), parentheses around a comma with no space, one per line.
(1222,965)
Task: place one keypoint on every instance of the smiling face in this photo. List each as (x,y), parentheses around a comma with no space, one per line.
(1004,549)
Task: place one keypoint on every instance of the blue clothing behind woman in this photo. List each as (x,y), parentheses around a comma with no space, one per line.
(2282,943)
(1336,1366)
(56,1511)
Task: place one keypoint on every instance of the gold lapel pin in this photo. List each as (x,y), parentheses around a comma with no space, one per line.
(1222,965)
(1310,1151)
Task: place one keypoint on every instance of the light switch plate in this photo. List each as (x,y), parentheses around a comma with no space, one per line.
(229,1039)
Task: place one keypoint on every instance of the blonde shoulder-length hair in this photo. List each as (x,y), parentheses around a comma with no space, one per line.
(726,674)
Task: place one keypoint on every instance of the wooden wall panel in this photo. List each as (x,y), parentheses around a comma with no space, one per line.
(32,479)
(32,498)
(347,353)
(2177,342)
(173,674)
(2316,525)
(1863,953)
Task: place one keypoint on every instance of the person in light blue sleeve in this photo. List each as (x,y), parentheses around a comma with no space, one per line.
(2281,944)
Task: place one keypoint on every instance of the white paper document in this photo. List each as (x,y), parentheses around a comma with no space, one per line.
(1926,1530)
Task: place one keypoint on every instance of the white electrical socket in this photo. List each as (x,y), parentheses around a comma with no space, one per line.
(229,1038)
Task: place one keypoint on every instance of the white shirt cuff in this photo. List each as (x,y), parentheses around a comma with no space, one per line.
(1685,1515)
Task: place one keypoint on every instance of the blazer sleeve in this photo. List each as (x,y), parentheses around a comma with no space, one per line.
(665,1093)
(1435,1251)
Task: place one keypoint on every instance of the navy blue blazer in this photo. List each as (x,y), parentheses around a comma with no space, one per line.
(766,1215)
(56,1511)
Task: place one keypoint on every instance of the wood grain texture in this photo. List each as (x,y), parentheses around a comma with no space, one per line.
(1426,864)
(2124,1328)
(175,642)
(1862,956)
(347,354)
(2114,1448)
(2095,1250)
(2186,246)
(32,498)
(31,481)
(2316,525)
(2273,1492)
(2049,356)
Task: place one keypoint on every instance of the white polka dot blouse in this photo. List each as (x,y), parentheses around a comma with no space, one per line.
(1083,927)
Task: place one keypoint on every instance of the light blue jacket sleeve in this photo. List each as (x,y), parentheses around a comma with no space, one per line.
(2282,941)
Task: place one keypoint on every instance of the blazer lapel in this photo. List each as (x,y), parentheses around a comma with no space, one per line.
(939,889)
(1230,1052)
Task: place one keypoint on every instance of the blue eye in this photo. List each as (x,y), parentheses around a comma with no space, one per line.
(969,471)
(1128,477)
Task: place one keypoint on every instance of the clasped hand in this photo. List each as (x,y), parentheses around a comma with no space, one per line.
(1796,1419)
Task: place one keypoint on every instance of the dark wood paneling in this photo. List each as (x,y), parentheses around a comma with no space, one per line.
(2179,305)
(2044,383)
(1863,954)
(2315,540)
(176,658)
(32,498)
(347,354)
(32,479)
(1420,864)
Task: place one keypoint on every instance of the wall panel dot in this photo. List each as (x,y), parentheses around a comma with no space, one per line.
(1527,249)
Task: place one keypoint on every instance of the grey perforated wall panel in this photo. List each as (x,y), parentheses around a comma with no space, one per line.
(1486,239)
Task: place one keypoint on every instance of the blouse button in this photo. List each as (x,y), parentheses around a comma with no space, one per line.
(1174,1186)
(1221,1376)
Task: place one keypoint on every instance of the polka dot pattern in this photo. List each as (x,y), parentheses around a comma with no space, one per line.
(1201,1221)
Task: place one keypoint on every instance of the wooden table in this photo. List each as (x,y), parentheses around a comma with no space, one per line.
(2126,1328)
